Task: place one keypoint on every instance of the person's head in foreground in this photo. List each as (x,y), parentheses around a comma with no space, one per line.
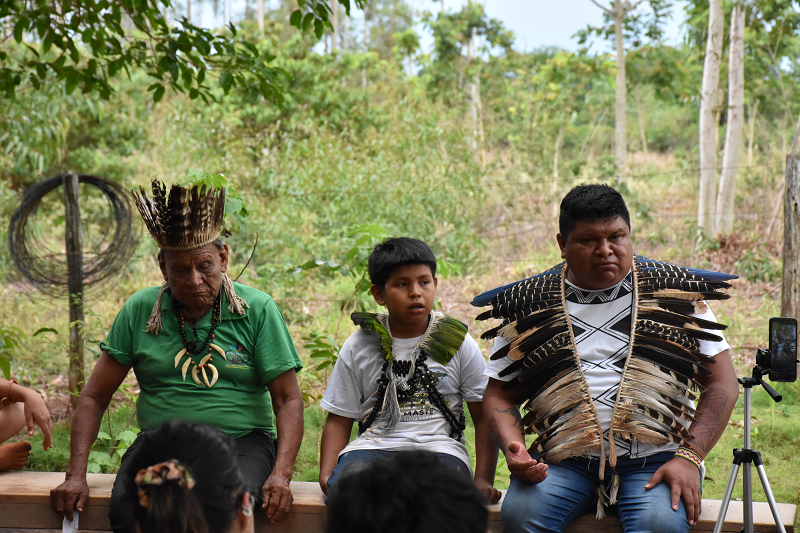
(595,236)
(187,481)
(414,492)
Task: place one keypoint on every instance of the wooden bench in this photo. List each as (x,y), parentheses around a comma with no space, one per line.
(25,505)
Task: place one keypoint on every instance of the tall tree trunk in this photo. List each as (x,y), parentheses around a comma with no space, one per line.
(260,15)
(790,293)
(335,23)
(733,136)
(557,149)
(189,10)
(621,136)
(709,119)
(752,115)
(640,115)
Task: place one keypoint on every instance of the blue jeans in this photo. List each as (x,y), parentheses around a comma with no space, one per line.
(360,459)
(570,491)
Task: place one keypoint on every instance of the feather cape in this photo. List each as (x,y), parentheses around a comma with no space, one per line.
(661,372)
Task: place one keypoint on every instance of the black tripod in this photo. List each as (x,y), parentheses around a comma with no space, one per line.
(748,456)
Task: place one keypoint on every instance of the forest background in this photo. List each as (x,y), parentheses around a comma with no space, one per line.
(469,146)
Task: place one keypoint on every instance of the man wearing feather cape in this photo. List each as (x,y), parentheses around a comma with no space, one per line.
(606,354)
(204,349)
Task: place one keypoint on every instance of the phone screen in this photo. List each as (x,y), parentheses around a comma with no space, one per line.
(783,349)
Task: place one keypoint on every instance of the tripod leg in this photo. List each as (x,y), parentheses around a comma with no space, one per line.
(770,498)
(726,500)
(747,498)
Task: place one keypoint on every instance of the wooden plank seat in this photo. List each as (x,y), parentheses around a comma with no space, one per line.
(25,506)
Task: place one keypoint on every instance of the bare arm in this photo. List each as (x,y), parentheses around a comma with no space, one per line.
(288,405)
(712,415)
(34,408)
(505,424)
(106,378)
(485,453)
(335,437)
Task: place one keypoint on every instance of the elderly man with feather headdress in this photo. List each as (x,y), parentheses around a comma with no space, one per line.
(606,353)
(203,348)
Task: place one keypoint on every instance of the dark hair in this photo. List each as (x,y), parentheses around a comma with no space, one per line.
(413,492)
(595,201)
(210,456)
(219,243)
(397,252)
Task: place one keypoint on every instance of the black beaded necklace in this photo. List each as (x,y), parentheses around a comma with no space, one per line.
(422,376)
(191,347)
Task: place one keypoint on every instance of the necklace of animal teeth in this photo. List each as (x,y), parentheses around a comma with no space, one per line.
(199,369)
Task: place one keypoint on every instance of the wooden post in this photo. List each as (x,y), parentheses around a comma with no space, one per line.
(74,246)
(790,295)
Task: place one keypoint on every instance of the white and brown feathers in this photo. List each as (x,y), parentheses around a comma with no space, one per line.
(661,370)
(189,218)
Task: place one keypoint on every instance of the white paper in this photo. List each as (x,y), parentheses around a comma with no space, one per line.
(70,527)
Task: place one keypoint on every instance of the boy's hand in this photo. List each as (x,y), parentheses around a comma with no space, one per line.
(491,493)
(323,482)
(522,466)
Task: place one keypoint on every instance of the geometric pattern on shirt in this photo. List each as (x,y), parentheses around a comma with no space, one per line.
(582,296)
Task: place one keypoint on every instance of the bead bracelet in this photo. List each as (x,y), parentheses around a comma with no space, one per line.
(688,455)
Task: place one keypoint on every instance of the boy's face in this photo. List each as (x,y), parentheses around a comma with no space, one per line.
(408,296)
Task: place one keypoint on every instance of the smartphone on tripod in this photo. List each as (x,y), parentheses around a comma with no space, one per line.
(782,353)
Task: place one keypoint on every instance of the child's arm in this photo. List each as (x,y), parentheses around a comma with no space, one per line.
(485,454)
(335,437)
(34,408)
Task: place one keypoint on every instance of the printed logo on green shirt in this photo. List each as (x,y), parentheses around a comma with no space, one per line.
(237,355)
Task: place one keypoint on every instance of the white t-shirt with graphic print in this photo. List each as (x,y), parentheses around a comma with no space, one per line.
(352,392)
(601,323)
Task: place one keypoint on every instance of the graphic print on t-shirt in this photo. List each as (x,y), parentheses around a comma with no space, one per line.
(601,322)
(418,407)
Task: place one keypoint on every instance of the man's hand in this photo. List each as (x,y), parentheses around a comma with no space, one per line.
(277,497)
(522,466)
(491,493)
(684,480)
(72,494)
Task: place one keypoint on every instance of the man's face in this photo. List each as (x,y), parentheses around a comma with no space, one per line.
(195,276)
(599,252)
(408,296)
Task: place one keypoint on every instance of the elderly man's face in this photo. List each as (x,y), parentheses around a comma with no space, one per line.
(599,252)
(195,276)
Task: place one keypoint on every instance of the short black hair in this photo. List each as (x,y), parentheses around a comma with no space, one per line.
(396,252)
(593,201)
(413,492)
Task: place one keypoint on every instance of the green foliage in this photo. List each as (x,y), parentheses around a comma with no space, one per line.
(757,264)
(10,340)
(87,44)
(321,346)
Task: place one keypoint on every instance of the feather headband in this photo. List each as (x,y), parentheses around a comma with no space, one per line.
(187,219)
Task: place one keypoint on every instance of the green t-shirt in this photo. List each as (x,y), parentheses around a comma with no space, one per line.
(257,347)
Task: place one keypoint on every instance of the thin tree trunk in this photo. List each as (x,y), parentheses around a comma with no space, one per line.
(189,10)
(592,130)
(753,114)
(621,119)
(640,114)
(260,15)
(733,136)
(335,23)
(557,150)
(709,119)
(790,292)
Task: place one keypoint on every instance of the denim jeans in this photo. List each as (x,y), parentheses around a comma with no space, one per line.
(570,491)
(360,459)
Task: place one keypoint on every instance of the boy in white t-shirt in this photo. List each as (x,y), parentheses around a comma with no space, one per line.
(404,376)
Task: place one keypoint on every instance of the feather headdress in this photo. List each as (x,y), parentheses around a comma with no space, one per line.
(189,218)
(661,370)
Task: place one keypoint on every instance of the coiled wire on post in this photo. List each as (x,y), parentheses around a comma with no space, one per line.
(102,258)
